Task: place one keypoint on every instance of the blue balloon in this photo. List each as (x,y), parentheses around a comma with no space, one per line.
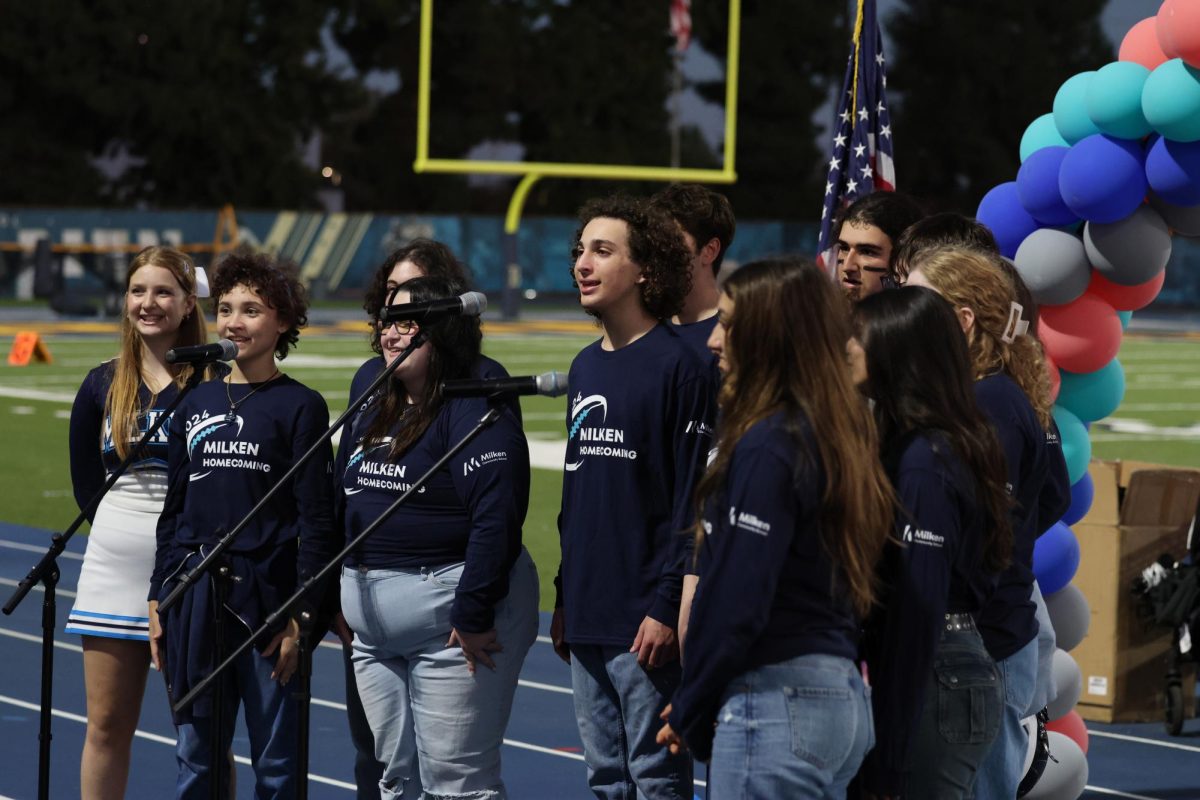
(1171,101)
(1114,100)
(1173,170)
(1041,133)
(1083,491)
(1055,558)
(1001,210)
(1125,316)
(1093,395)
(1037,186)
(1070,109)
(1077,447)
(1103,179)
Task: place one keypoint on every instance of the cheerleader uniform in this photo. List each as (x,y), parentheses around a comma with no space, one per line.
(111,598)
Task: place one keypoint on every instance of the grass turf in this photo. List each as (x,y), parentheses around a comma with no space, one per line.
(1160,416)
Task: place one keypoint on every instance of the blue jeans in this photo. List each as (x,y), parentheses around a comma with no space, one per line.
(437,727)
(1044,689)
(1000,772)
(368,770)
(617,707)
(797,729)
(960,719)
(271,721)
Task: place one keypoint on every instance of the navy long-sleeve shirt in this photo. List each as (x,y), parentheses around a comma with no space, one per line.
(219,469)
(1008,621)
(769,590)
(938,569)
(484,368)
(639,425)
(470,511)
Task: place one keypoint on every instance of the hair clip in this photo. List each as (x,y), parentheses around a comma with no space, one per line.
(202,283)
(1016,326)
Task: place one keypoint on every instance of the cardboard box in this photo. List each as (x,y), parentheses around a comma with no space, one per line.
(1140,512)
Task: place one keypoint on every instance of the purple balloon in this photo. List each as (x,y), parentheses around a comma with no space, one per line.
(1083,491)
(1055,558)
(1173,169)
(1037,186)
(1103,179)
(1001,210)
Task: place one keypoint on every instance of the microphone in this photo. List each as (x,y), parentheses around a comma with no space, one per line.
(223,350)
(550,384)
(471,304)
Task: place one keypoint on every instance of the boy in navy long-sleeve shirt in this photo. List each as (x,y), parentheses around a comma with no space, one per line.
(639,426)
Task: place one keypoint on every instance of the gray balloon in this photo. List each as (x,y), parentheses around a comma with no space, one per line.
(1130,251)
(1054,266)
(1068,681)
(1184,220)
(1066,772)
(1070,614)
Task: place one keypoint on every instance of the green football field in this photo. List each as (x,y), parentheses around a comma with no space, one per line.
(1158,422)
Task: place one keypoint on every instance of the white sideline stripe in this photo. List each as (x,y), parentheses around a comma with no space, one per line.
(37,587)
(1126,738)
(35,548)
(34,394)
(74,648)
(1115,793)
(154,737)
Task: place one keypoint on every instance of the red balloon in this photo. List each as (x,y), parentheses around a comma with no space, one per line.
(1081,336)
(1127,298)
(1055,377)
(1141,46)
(1071,725)
(1177,28)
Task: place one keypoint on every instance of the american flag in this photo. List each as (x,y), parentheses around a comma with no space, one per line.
(861,155)
(681,23)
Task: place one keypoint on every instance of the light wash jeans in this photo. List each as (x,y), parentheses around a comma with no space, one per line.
(367,768)
(964,700)
(617,707)
(437,727)
(1044,691)
(797,729)
(1000,772)
(271,721)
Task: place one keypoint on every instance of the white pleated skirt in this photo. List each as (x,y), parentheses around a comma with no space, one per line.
(118,562)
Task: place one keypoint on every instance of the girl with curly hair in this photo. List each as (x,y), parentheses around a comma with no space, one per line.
(236,437)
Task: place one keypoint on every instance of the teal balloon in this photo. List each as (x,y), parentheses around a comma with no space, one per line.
(1040,133)
(1093,395)
(1070,109)
(1171,101)
(1077,447)
(1114,100)
(1125,316)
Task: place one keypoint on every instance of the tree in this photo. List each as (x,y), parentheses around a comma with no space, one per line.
(212,102)
(965,80)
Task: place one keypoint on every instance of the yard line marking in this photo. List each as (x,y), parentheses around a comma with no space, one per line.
(1140,426)
(32,548)
(37,587)
(1115,793)
(34,394)
(158,739)
(29,637)
(1140,740)
(1157,407)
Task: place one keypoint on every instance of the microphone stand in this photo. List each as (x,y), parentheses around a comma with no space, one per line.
(493,414)
(46,572)
(216,558)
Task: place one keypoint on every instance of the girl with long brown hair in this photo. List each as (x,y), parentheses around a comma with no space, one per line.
(793,515)
(119,400)
(1013,388)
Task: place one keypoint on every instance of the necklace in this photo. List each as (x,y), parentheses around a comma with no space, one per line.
(234,406)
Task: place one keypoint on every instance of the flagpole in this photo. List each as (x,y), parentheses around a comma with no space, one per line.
(676,109)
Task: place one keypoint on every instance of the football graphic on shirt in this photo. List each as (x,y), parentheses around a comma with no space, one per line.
(200,430)
(580,411)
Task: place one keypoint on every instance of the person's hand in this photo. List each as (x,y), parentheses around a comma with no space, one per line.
(342,629)
(667,737)
(558,635)
(476,647)
(655,644)
(287,642)
(690,582)
(156,635)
